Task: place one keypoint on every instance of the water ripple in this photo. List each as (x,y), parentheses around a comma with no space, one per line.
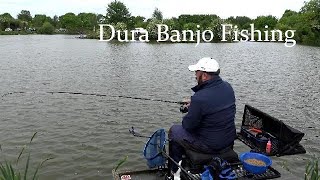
(87,135)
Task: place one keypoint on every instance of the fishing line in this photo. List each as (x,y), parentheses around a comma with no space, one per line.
(101,95)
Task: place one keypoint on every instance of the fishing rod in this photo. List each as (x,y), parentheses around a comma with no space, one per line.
(119,96)
(103,95)
(182,169)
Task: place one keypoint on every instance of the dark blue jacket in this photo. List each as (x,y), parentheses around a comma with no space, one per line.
(211,114)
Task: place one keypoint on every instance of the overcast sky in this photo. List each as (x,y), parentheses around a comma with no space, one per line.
(169,8)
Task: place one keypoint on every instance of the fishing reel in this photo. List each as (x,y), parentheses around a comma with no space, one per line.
(184,108)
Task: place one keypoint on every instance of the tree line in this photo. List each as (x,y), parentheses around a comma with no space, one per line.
(306,22)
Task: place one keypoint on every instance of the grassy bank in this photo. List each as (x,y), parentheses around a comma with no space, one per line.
(13,33)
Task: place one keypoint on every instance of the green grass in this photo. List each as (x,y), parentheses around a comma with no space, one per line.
(120,163)
(8,172)
(312,170)
(13,33)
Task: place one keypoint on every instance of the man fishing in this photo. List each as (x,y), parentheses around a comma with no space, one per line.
(209,125)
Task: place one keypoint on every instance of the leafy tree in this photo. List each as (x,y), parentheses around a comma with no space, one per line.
(207,19)
(55,21)
(312,8)
(117,12)
(71,22)
(138,21)
(6,16)
(121,27)
(216,28)
(306,23)
(49,19)
(25,16)
(88,20)
(38,20)
(190,26)
(186,18)
(157,14)
(5,21)
(171,23)
(310,15)
(18,24)
(292,20)
(153,29)
(288,20)
(202,20)
(100,18)
(288,13)
(231,20)
(243,22)
(46,28)
(261,21)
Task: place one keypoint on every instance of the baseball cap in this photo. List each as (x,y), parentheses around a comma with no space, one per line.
(205,64)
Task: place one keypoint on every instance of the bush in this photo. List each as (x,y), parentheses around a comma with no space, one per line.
(46,28)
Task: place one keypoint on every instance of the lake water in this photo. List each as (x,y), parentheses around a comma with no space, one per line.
(86,135)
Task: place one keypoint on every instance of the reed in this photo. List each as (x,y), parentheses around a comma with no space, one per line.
(120,163)
(9,172)
(312,170)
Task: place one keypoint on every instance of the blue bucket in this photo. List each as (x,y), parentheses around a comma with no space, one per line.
(255,169)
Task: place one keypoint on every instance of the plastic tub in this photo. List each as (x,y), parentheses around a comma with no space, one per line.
(255,169)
